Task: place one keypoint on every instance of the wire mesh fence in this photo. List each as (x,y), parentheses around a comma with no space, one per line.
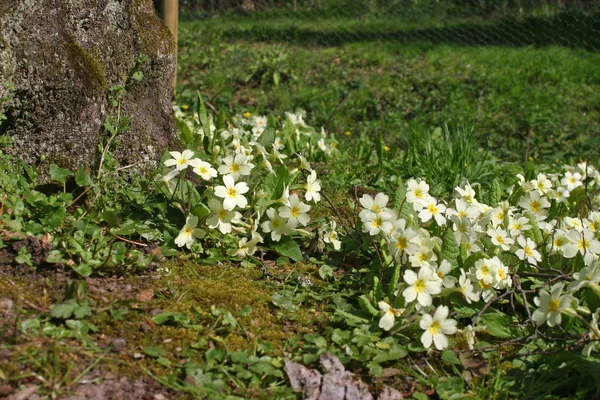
(473,22)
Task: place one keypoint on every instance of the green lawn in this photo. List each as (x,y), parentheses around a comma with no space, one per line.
(526,87)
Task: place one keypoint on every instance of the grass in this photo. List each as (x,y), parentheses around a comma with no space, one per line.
(527,88)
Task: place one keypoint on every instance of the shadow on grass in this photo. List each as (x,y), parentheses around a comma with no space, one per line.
(568,29)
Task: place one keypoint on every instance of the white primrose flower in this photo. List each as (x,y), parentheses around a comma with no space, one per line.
(503,279)
(469,335)
(442,272)
(375,205)
(236,166)
(486,271)
(389,315)
(247,247)
(312,187)
(422,286)
(472,246)
(189,232)
(562,194)
(433,209)
(180,160)
(167,178)
(581,242)
(295,212)
(203,169)
(221,217)
(542,184)
(572,180)
(331,236)
(417,193)
(559,241)
(304,164)
(375,223)
(436,328)
(500,238)
(587,277)
(574,223)
(593,336)
(400,242)
(465,287)
(278,144)
(527,252)
(232,193)
(276,225)
(463,228)
(464,209)
(466,193)
(517,225)
(535,204)
(525,185)
(551,305)
(592,222)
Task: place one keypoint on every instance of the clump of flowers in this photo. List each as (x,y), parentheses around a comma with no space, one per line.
(251,180)
(467,251)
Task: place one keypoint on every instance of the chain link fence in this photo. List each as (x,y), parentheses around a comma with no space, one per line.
(575,24)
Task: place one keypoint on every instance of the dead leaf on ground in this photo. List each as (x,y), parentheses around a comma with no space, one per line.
(145,295)
(475,365)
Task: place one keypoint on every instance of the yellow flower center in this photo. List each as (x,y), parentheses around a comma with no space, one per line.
(401,243)
(232,193)
(181,161)
(295,211)
(376,209)
(553,305)
(418,194)
(432,209)
(434,327)
(535,206)
(234,168)
(222,214)
(500,239)
(419,286)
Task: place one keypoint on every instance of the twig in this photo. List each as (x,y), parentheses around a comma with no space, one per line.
(129,241)
(335,210)
(333,112)
(489,304)
(528,144)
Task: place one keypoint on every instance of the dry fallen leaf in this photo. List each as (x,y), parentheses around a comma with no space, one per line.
(145,295)
(476,365)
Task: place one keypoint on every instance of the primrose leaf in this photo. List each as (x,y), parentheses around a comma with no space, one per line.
(497,324)
(495,194)
(289,248)
(283,302)
(59,174)
(450,249)
(82,178)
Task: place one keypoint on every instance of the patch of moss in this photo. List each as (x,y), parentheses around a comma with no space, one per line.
(91,68)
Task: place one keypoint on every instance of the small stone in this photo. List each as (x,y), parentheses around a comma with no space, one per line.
(144,327)
(118,344)
(6,304)
(138,356)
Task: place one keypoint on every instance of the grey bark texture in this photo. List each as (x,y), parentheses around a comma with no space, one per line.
(58,61)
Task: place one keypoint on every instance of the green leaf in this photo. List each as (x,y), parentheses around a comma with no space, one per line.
(64,310)
(325,272)
(137,76)
(55,219)
(495,194)
(82,178)
(153,351)
(276,78)
(82,311)
(450,249)
(283,302)
(267,138)
(534,233)
(450,357)
(59,174)
(497,324)
(289,248)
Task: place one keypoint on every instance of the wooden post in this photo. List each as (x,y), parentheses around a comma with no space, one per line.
(170,13)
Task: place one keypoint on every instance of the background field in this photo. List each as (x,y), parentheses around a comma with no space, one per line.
(526,80)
